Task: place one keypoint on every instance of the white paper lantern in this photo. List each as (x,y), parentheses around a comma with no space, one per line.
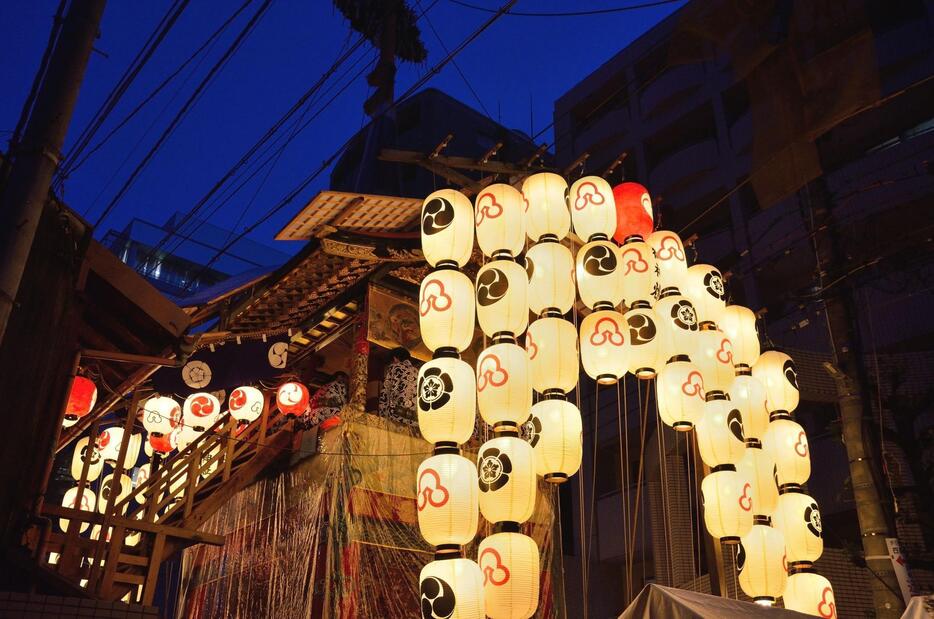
(703,285)
(739,324)
(551,345)
(87,503)
(810,593)
(550,269)
(187,435)
(761,566)
(798,517)
(504,393)
(140,476)
(643,340)
(748,395)
(728,504)
(637,270)
(546,206)
(108,443)
(671,257)
(593,208)
(447,228)
(114,489)
(759,467)
(720,437)
(161,415)
(246,404)
(778,374)
(677,325)
(714,357)
(680,394)
(502,298)
(451,588)
(447,400)
(83,451)
(506,476)
(209,463)
(510,566)
(555,432)
(446,310)
(133,448)
(604,347)
(446,499)
(598,279)
(787,444)
(499,212)
(201,411)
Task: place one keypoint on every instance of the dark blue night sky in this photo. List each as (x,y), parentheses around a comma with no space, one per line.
(518,67)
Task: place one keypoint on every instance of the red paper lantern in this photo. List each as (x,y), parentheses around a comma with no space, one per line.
(633,211)
(292,399)
(81,398)
(163,443)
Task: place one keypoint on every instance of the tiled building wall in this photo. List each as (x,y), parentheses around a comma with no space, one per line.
(33,606)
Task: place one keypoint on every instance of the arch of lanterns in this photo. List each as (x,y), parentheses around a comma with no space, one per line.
(650,315)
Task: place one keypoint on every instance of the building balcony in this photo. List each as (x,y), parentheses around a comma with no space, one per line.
(672,94)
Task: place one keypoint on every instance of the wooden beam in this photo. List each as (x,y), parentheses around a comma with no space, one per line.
(121,357)
(192,535)
(152,572)
(616,163)
(460,163)
(577,163)
(490,153)
(443,144)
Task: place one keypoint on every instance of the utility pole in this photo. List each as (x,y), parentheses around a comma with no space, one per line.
(855,411)
(36,158)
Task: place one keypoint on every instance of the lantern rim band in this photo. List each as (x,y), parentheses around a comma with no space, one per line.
(551,312)
(633,238)
(598,236)
(790,489)
(548,237)
(753,443)
(445,447)
(682,426)
(707,325)
(448,551)
(502,254)
(446,352)
(640,304)
(779,414)
(446,265)
(555,478)
(506,526)
(504,337)
(715,394)
(71,416)
(669,291)
(723,467)
(554,394)
(600,306)
(506,428)
(801,567)
(764,598)
(645,373)
(762,519)
(607,379)
(743,369)
(678,359)
(731,540)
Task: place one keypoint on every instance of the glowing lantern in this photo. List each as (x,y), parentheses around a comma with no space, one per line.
(499,211)
(447,228)
(634,214)
(115,490)
(637,271)
(246,404)
(714,357)
(161,415)
(728,504)
(504,393)
(643,342)
(555,434)
(185,436)
(551,345)
(446,310)
(739,324)
(672,260)
(593,208)
(506,476)
(778,374)
(83,451)
(509,563)
(761,564)
(704,285)
(798,517)
(677,325)
(446,499)
(680,394)
(210,461)
(810,593)
(546,206)
(163,443)
(787,443)
(140,476)
(133,447)
(87,503)
(502,298)
(447,400)
(720,437)
(108,444)
(81,399)
(758,467)
(451,588)
(748,395)
(292,399)
(550,269)
(604,350)
(598,279)
(200,411)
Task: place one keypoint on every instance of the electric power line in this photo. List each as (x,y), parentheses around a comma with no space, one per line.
(619,9)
